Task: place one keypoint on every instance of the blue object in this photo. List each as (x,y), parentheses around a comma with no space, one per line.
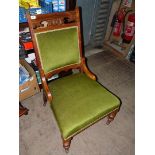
(47,6)
(22,15)
(62,5)
(55,5)
(23,75)
(33,11)
(59,5)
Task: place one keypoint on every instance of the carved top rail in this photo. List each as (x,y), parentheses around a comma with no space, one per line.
(54,19)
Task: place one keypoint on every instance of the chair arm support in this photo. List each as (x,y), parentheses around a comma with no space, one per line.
(45,86)
(86,70)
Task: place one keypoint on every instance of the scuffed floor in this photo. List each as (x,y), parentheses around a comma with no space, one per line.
(39,134)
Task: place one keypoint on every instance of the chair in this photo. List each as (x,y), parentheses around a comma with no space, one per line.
(77,100)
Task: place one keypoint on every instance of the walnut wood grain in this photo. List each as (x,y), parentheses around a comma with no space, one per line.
(86,70)
(45,87)
(66,68)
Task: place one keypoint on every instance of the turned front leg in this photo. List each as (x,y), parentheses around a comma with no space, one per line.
(66,144)
(111,117)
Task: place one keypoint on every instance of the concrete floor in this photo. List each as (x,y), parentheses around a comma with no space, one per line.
(39,134)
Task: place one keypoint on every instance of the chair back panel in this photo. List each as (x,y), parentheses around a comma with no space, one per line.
(58,48)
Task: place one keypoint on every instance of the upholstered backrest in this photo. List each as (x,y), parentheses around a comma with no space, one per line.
(58,48)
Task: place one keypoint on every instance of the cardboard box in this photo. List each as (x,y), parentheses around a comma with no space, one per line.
(30,87)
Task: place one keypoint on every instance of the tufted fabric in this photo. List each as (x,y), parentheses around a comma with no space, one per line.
(78,102)
(58,48)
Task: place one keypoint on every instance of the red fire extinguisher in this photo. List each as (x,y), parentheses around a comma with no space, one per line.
(130,29)
(118,22)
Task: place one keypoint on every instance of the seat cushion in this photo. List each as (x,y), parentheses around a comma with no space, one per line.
(78,102)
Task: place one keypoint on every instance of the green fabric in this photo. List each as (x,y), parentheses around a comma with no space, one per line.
(58,48)
(78,101)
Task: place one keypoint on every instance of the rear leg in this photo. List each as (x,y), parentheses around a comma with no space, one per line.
(44,98)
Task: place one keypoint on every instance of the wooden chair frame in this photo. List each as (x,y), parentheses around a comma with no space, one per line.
(43,22)
(56,21)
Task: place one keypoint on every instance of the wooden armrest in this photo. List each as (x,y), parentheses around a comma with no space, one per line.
(86,70)
(45,86)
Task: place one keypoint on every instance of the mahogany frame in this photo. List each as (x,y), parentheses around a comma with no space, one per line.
(44,22)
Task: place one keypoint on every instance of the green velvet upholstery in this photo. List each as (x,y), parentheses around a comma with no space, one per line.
(58,48)
(79,101)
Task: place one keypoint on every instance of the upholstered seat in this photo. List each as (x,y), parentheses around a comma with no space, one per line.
(79,101)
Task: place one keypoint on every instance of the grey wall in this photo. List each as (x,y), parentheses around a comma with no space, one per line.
(87,17)
(95,17)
